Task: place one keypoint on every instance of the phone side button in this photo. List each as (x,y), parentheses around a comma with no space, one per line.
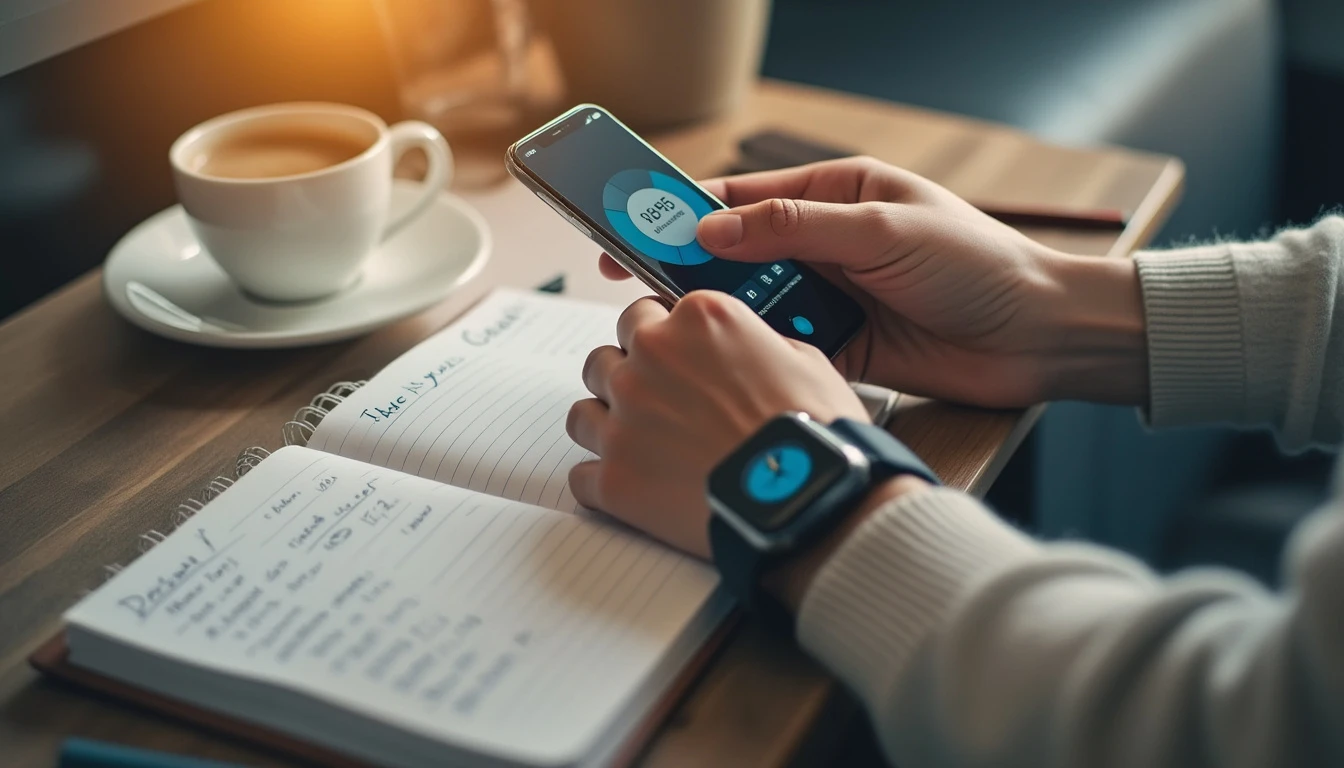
(579,225)
(560,210)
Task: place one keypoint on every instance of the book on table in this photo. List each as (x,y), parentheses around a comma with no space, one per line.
(416,585)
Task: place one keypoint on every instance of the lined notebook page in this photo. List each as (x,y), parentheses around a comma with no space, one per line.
(482,404)
(471,619)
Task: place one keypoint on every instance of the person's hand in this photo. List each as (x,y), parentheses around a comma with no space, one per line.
(683,390)
(959,305)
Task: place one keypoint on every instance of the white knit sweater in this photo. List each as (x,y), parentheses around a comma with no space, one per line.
(971,644)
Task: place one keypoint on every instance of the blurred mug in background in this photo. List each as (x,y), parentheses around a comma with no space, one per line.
(463,65)
(657,63)
(475,70)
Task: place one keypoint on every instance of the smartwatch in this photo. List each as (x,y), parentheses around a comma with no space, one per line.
(788,486)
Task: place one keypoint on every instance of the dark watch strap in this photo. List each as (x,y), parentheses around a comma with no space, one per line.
(740,565)
(887,455)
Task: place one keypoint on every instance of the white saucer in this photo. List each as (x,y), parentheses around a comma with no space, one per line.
(160,279)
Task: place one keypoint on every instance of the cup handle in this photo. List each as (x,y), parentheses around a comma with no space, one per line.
(408,135)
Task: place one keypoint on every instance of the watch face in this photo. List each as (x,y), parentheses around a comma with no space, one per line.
(777,474)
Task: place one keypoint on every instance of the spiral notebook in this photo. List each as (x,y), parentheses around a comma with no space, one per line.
(410,581)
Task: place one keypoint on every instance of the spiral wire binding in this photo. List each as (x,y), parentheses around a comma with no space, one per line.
(249,459)
(185,511)
(297,431)
(216,487)
(109,570)
(150,540)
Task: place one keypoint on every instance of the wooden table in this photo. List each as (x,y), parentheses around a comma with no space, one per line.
(104,428)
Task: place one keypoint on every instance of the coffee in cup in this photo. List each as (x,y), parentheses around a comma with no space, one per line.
(262,153)
(291,199)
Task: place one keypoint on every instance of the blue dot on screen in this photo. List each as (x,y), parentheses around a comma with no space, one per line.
(803,325)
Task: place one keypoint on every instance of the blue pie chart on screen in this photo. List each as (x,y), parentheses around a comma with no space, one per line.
(656,214)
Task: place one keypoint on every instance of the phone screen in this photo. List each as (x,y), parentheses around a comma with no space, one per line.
(649,207)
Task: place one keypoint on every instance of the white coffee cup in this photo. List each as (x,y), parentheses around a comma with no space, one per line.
(291,220)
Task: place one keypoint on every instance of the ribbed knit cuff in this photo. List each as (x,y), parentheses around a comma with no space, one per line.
(1196,355)
(895,579)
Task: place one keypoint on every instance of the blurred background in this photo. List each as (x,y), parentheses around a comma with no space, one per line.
(1249,93)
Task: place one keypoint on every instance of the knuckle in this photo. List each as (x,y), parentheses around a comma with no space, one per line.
(572,419)
(588,363)
(623,384)
(706,306)
(642,339)
(869,163)
(609,437)
(807,350)
(582,482)
(630,315)
(871,211)
(607,483)
(818,357)
(887,181)
(785,216)
(615,440)
(876,215)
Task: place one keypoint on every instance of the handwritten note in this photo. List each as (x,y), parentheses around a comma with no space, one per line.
(482,404)
(453,612)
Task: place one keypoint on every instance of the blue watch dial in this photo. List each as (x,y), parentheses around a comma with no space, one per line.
(777,473)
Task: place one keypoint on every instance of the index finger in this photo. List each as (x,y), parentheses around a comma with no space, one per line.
(754,187)
(717,187)
(643,312)
(611,268)
(829,181)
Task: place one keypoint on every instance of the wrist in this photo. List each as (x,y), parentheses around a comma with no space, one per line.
(1095,331)
(789,581)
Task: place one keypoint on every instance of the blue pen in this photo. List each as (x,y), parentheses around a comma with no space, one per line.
(87,753)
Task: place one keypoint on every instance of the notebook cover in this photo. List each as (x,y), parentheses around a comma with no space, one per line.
(52,658)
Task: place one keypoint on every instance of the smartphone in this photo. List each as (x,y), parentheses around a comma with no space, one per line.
(643,210)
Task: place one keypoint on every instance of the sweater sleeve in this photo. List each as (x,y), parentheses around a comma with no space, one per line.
(971,644)
(1249,334)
